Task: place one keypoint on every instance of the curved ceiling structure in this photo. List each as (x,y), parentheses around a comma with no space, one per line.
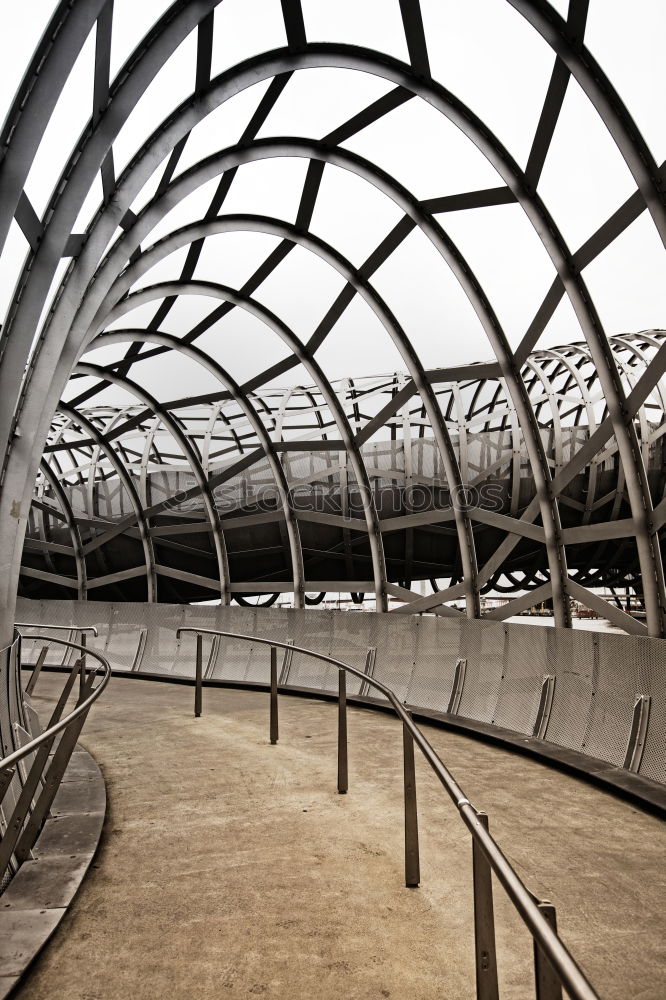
(119,512)
(302,198)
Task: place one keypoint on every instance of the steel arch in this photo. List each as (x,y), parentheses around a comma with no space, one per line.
(626,423)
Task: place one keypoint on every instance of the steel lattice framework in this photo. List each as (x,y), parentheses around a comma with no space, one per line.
(570,438)
(119,509)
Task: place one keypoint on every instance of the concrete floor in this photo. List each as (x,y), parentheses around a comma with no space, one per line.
(230,868)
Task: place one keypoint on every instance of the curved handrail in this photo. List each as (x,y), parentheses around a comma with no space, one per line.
(566,968)
(62,628)
(13,758)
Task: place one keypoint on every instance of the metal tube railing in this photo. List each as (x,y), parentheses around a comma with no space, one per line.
(32,803)
(60,628)
(80,709)
(555,967)
(37,669)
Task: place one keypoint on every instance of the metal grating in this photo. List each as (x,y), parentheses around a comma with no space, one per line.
(159,649)
(612,705)
(597,675)
(313,630)
(572,655)
(437,650)
(350,639)
(127,635)
(395,639)
(233,659)
(525,663)
(653,681)
(263,622)
(482,645)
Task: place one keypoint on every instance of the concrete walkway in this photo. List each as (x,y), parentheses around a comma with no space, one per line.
(230,868)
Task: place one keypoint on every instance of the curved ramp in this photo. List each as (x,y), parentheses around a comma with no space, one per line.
(230,868)
(38,896)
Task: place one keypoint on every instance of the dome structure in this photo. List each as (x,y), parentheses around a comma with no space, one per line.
(218,228)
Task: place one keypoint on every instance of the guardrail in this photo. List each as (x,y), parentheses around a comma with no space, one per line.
(36,789)
(62,628)
(554,966)
(73,630)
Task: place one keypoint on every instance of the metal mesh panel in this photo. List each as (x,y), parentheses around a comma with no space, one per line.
(489,450)
(351,637)
(85,613)
(525,663)
(572,656)
(233,658)
(56,654)
(127,633)
(482,644)
(396,652)
(313,630)
(437,650)
(182,657)
(425,459)
(159,651)
(653,681)
(62,613)
(597,674)
(78,497)
(616,684)
(48,613)
(385,462)
(267,623)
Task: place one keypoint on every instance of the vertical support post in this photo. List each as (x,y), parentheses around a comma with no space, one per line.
(484,922)
(274,697)
(548,986)
(343,775)
(412,865)
(30,686)
(5,781)
(198,681)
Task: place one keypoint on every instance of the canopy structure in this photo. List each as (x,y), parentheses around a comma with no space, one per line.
(119,512)
(255,214)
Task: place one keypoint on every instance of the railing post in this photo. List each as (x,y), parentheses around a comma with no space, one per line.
(274,697)
(30,686)
(412,865)
(25,798)
(548,986)
(198,681)
(53,776)
(484,922)
(343,775)
(5,781)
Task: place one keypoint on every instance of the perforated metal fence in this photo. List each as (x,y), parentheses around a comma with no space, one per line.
(591,692)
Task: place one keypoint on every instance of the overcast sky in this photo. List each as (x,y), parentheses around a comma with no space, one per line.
(480,49)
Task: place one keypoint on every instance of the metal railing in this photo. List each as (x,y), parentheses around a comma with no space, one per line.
(36,789)
(73,630)
(554,966)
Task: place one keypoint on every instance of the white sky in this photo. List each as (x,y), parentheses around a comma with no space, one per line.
(486,54)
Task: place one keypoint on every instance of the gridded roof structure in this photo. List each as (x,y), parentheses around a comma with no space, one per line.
(218,200)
